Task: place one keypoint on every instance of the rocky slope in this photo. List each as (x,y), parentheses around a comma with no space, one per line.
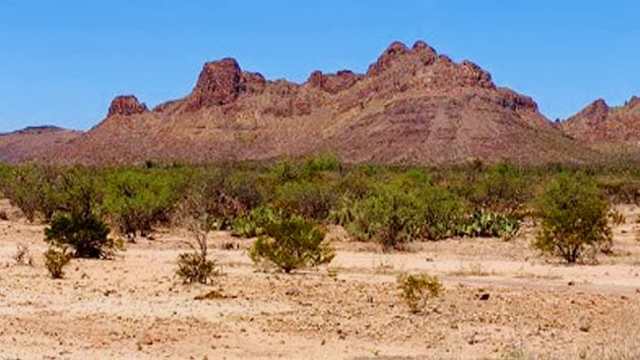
(601,126)
(33,142)
(412,106)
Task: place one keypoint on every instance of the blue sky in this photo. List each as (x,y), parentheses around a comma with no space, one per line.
(61,62)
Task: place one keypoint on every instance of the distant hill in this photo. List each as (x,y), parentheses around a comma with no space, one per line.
(33,142)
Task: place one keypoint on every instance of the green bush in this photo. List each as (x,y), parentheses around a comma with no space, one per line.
(33,189)
(417,290)
(85,233)
(573,216)
(312,200)
(320,163)
(442,212)
(501,188)
(79,226)
(390,216)
(55,260)
(292,243)
(137,200)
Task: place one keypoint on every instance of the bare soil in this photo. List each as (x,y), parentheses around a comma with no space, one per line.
(134,308)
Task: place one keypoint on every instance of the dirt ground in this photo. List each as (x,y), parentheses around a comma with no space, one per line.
(502,301)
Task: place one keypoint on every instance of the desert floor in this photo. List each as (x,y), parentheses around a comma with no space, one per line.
(133,307)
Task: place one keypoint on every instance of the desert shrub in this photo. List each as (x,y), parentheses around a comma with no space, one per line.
(390,216)
(573,216)
(312,200)
(284,171)
(3,215)
(135,200)
(34,190)
(253,224)
(245,187)
(85,233)
(442,212)
(417,290)
(501,188)
(225,194)
(196,266)
(320,163)
(79,226)
(292,243)
(355,184)
(55,259)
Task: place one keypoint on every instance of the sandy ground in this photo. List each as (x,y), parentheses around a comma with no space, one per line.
(134,308)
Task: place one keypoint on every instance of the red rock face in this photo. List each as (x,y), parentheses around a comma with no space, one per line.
(126,105)
(218,84)
(334,83)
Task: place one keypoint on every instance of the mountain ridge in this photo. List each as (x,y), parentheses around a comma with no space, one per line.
(412,106)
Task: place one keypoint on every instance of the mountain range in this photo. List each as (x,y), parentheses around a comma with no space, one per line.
(412,106)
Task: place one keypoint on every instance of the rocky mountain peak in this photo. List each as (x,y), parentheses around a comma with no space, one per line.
(126,105)
(218,84)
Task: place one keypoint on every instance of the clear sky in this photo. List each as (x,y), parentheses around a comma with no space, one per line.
(61,62)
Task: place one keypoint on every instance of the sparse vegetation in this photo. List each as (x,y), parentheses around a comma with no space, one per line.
(195,266)
(392,206)
(417,290)
(292,243)
(55,259)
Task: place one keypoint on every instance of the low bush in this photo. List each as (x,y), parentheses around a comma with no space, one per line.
(417,290)
(55,259)
(79,227)
(573,217)
(389,216)
(85,233)
(196,266)
(292,243)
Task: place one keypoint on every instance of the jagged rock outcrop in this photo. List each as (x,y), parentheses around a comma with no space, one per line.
(219,83)
(334,83)
(126,105)
(602,125)
(412,106)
